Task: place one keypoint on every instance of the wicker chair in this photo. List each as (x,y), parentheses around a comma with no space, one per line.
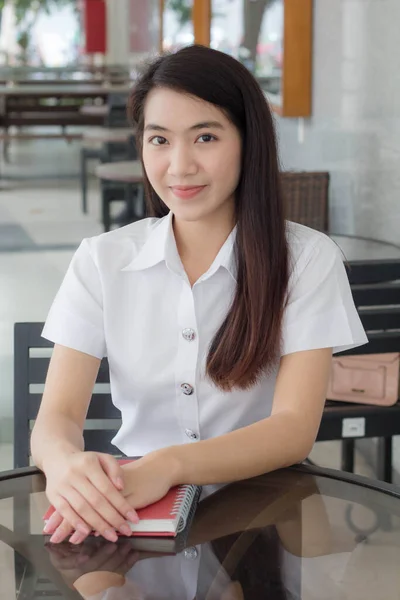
(306,197)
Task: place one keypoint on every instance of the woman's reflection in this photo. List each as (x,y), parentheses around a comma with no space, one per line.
(249,540)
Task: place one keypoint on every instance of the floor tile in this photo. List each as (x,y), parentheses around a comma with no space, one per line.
(50,233)
(14,236)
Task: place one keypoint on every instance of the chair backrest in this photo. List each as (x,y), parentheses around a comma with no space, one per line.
(117,115)
(31,359)
(375,286)
(306,196)
(117,151)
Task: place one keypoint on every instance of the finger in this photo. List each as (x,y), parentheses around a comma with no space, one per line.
(78,537)
(82,517)
(62,532)
(112,469)
(55,521)
(69,516)
(96,504)
(102,483)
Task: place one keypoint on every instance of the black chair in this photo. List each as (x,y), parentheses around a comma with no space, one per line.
(132,194)
(376,293)
(116,117)
(30,368)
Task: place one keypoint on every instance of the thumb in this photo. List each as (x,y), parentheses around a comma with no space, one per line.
(112,469)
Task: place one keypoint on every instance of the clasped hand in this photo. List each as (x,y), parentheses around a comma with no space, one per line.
(91,491)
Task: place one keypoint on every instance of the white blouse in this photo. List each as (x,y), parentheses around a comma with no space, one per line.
(126,296)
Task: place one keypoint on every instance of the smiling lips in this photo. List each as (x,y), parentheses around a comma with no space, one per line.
(187,191)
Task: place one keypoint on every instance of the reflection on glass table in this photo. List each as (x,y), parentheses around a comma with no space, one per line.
(298,533)
(357,248)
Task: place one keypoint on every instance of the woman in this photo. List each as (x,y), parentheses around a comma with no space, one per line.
(217,317)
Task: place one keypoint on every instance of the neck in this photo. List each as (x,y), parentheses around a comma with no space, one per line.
(200,241)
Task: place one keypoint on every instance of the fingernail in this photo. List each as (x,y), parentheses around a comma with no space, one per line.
(56,537)
(120,483)
(77,538)
(82,528)
(132,516)
(126,530)
(110,535)
(46,528)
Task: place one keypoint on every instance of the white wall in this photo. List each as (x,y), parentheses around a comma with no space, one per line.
(354,131)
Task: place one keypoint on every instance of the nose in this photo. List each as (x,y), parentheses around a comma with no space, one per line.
(182,161)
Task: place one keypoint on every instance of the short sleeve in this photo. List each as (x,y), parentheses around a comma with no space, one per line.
(75,319)
(320,312)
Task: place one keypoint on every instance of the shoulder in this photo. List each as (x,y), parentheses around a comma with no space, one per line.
(118,247)
(308,245)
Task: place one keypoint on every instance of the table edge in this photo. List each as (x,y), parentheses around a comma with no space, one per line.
(377,485)
(21,472)
(335,474)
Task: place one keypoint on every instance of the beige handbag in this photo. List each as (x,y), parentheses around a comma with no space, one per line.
(365,379)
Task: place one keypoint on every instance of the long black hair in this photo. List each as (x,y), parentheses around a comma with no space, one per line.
(248,342)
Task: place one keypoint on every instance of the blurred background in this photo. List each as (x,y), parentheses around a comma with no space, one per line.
(68,162)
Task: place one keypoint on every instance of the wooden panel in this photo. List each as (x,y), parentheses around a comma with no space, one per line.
(161,38)
(297,58)
(202,21)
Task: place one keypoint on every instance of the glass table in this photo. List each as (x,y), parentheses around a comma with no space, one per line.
(357,248)
(299,533)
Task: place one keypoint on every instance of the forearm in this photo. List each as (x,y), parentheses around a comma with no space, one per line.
(54,434)
(273,443)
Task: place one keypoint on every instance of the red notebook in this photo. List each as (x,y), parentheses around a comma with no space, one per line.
(167,517)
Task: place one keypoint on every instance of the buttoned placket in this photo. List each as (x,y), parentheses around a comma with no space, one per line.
(186,361)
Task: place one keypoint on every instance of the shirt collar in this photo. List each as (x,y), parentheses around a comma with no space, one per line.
(161,246)
(153,250)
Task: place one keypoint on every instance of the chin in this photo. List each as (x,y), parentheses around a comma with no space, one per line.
(191,214)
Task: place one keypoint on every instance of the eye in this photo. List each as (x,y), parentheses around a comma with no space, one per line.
(206,137)
(158,140)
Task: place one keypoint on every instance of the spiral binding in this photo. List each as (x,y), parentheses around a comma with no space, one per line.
(183,503)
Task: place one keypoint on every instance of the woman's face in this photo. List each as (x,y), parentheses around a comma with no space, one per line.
(192,155)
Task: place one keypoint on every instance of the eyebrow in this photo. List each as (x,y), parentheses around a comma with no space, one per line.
(202,125)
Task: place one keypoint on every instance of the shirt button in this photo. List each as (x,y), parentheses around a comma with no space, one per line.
(191,553)
(187,389)
(189,334)
(191,434)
